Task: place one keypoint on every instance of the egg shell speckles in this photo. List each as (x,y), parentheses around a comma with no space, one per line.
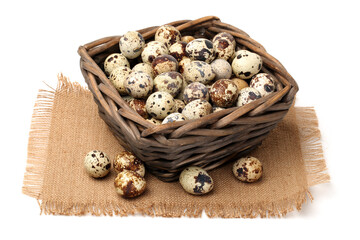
(170,82)
(118,77)
(168,35)
(248,169)
(154,121)
(264,83)
(152,50)
(164,63)
(247,95)
(224,93)
(127,160)
(131,44)
(127,99)
(160,104)
(183,63)
(97,164)
(174,117)
(196,180)
(197,109)
(179,105)
(177,50)
(246,64)
(187,39)
(138,84)
(200,49)
(144,67)
(195,91)
(221,68)
(181,93)
(240,83)
(224,45)
(129,184)
(113,61)
(198,71)
(139,106)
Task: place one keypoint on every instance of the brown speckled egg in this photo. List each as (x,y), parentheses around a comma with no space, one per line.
(164,63)
(240,83)
(179,105)
(187,39)
(197,109)
(224,45)
(264,83)
(152,50)
(217,109)
(168,35)
(247,95)
(181,93)
(144,67)
(200,49)
(113,61)
(224,93)
(196,180)
(138,84)
(154,121)
(198,71)
(174,117)
(246,64)
(177,50)
(170,82)
(183,63)
(139,106)
(221,68)
(129,184)
(127,160)
(131,44)
(248,169)
(97,164)
(160,104)
(118,77)
(195,91)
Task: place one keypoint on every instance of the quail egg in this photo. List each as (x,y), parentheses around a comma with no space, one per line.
(131,44)
(224,45)
(221,68)
(138,84)
(168,35)
(224,93)
(187,39)
(182,89)
(248,169)
(197,109)
(200,49)
(198,71)
(160,104)
(183,63)
(196,180)
(264,83)
(154,121)
(144,67)
(127,160)
(240,83)
(139,106)
(113,61)
(179,105)
(247,95)
(129,184)
(246,64)
(118,77)
(164,63)
(174,117)
(152,50)
(170,82)
(177,50)
(195,91)
(217,109)
(97,164)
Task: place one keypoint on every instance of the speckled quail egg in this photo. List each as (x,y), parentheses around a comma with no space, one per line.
(127,98)
(197,109)
(224,93)
(181,93)
(170,82)
(221,68)
(113,61)
(160,104)
(179,105)
(144,67)
(164,63)
(198,71)
(240,83)
(248,169)
(127,160)
(247,95)
(138,84)
(97,164)
(154,121)
(264,83)
(183,63)
(177,50)
(224,45)
(131,44)
(118,77)
(152,50)
(139,106)
(200,49)
(217,109)
(129,184)
(168,35)
(174,117)
(196,180)
(246,64)
(187,39)
(195,91)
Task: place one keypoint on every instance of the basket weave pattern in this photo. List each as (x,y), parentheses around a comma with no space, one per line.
(207,142)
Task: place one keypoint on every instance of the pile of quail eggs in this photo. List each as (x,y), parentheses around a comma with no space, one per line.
(130,181)
(176,78)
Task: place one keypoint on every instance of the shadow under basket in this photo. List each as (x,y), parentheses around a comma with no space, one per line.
(207,142)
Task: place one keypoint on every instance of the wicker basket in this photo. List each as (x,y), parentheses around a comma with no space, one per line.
(207,142)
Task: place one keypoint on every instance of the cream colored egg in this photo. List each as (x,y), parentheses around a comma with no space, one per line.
(127,160)
(264,83)
(154,121)
(187,39)
(217,109)
(246,64)
(152,50)
(183,63)
(144,67)
(168,35)
(164,63)
(247,95)
(178,50)
(139,84)
(196,180)
(160,104)
(113,61)
(97,164)
(131,44)
(118,77)
(198,71)
(179,105)
(197,109)
(174,117)
(224,45)
(181,93)
(170,82)
(195,91)
(129,184)
(248,169)
(221,68)
(240,83)
(139,105)
(200,49)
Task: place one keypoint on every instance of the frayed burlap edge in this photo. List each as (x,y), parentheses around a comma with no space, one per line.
(37,150)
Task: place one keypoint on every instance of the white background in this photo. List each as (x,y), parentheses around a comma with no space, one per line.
(317,41)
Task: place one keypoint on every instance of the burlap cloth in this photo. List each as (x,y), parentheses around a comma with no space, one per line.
(66,125)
